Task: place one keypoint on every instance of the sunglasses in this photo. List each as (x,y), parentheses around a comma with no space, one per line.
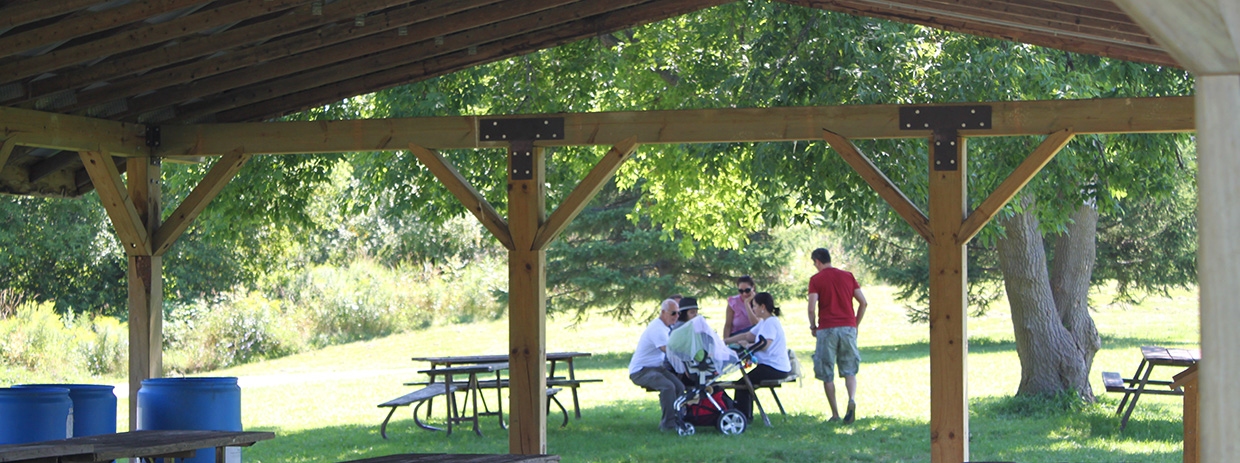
(744,290)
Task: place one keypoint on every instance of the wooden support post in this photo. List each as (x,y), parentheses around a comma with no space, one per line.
(949,394)
(146,292)
(1218,219)
(527,301)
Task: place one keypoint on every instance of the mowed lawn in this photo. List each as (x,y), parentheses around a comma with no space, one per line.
(322,405)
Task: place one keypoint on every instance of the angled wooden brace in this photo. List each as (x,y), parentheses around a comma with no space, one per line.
(6,149)
(585,191)
(1019,177)
(881,184)
(465,192)
(212,183)
(115,198)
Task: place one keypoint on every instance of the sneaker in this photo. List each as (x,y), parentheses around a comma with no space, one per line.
(852,413)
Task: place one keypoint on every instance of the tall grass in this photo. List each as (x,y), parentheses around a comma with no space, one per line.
(37,343)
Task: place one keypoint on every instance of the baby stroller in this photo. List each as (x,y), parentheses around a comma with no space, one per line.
(696,350)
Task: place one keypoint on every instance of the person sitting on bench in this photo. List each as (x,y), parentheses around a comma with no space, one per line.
(769,346)
(646,367)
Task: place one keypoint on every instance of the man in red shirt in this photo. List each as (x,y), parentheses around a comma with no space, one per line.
(833,322)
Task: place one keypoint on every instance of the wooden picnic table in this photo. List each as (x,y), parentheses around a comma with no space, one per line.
(472,395)
(134,444)
(553,358)
(1152,356)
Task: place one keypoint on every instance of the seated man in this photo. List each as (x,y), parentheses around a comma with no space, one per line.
(646,367)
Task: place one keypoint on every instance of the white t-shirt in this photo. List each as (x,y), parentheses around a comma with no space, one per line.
(776,353)
(647,353)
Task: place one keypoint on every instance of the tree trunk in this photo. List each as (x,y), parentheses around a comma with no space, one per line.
(1071,268)
(1050,358)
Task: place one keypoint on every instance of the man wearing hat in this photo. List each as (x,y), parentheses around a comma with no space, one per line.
(646,368)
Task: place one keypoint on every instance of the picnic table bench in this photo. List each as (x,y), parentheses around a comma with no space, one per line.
(1134,387)
(553,359)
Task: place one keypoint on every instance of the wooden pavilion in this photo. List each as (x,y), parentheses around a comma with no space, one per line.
(91,89)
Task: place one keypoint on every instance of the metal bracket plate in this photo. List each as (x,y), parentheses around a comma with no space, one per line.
(153,137)
(530,128)
(946,153)
(521,160)
(973,117)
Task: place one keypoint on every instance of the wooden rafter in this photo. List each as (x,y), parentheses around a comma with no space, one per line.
(453,33)
(585,191)
(117,71)
(144,36)
(115,198)
(212,183)
(881,184)
(29,12)
(1166,114)
(58,131)
(465,192)
(1013,184)
(88,23)
(1208,46)
(916,12)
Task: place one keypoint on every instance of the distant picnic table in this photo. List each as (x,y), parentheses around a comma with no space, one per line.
(1132,388)
(553,358)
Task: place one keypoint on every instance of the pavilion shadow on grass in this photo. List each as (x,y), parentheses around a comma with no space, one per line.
(92,90)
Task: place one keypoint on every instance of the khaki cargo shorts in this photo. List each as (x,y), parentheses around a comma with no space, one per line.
(836,346)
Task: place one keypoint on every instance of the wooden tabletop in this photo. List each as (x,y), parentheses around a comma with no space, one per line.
(467,369)
(134,444)
(471,359)
(449,458)
(1175,357)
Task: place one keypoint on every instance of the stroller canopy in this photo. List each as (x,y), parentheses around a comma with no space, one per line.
(693,342)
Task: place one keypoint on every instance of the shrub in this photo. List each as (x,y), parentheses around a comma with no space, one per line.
(233,330)
(105,348)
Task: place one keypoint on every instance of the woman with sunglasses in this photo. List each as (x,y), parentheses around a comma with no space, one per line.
(740,317)
(769,346)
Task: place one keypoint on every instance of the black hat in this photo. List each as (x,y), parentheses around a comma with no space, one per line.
(687,303)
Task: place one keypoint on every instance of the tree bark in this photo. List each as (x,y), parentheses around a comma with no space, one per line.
(1050,358)
(1071,268)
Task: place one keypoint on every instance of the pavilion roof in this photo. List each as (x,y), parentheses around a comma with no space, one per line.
(161,62)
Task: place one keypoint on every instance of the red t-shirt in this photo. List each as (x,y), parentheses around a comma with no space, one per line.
(835,290)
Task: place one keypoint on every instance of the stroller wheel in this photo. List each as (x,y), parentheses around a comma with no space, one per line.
(731,422)
(686,429)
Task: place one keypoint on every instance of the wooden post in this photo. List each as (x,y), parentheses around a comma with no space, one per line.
(146,294)
(527,301)
(949,404)
(1218,219)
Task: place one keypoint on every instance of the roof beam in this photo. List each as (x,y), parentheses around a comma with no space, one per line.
(74,133)
(473,56)
(584,192)
(1066,40)
(1012,185)
(1018,13)
(29,12)
(88,23)
(115,198)
(116,70)
(451,33)
(735,125)
(1201,34)
(143,36)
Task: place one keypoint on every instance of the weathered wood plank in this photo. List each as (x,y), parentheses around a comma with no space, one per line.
(465,192)
(88,23)
(880,183)
(949,404)
(143,36)
(527,312)
(73,133)
(1118,115)
(29,12)
(1013,183)
(584,192)
(212,183)
(112,193)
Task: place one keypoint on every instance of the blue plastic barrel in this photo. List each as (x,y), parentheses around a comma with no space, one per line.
(94,408)
(34,414)
(211,404)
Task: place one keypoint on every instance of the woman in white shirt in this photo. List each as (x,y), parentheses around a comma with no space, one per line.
(770,349)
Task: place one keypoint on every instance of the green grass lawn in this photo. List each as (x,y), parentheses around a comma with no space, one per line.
(332,416)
